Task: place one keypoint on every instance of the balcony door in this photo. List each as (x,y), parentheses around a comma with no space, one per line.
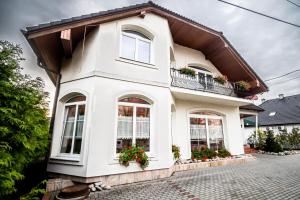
(206,130)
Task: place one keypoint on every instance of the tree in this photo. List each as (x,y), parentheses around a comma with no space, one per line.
(294,138)
(271,144)
(23,118)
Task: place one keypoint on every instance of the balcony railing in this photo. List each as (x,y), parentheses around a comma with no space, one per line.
(201,83)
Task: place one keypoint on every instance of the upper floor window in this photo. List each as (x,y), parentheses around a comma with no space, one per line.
(135,46)
(133,123)
(73,125)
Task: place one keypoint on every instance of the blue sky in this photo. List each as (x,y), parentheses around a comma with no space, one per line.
(270,47)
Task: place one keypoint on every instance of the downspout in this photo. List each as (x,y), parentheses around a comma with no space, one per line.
(52,120)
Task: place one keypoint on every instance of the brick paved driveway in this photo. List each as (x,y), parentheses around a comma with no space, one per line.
(269,177)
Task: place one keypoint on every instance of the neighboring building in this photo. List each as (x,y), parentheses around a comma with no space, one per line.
(118,83)
(279,114)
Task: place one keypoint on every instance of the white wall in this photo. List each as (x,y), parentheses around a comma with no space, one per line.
(98,72)
(186,56)
(181,136)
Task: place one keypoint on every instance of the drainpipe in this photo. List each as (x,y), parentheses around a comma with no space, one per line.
(57,89)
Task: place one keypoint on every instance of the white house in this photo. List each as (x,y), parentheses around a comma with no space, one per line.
(118,83)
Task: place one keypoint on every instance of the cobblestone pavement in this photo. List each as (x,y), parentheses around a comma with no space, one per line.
(269,177)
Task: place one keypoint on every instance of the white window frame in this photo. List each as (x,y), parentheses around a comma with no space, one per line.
(206,117)
(137,38)
(135,105)
(77,104)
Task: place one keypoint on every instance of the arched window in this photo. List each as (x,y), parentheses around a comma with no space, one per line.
(135,46)
(133,123)
(73,125)
(206,130)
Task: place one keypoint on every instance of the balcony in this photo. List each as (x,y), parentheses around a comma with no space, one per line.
(204,84)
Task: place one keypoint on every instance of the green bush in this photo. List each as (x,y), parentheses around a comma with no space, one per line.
(271,144)
(258,138)
(23,119)
(187,71)
(176,152)
(199,154)
(223,153)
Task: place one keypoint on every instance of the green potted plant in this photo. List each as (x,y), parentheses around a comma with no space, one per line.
(134,153)
(221,79)
(187,71)
(243,85)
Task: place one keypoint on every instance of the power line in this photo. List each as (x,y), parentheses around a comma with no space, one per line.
(264,15)
(293,3)
(286,81)
(282,75)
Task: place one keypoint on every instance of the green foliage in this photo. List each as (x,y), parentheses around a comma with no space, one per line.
(187,71)
(134,153)
(223,153)
(221,79)
(36,193)
(289,140)
(176,152)
(271,144)
(243,85)
(206,153)
(258,138)
(23,118)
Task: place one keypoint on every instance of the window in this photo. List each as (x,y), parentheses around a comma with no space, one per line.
(205,77)
(135,46)
(73,125)
(271,114)
(133,123)
(206,130)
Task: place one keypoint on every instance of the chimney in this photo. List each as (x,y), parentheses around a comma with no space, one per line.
(281,96)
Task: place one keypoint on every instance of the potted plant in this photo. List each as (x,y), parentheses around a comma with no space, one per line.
(221,79)
(243,85)
(134,153)
(187,71)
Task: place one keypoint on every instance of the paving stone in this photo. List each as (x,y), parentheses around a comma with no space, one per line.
(269,177)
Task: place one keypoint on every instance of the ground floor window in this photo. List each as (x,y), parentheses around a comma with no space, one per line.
(133,123)
(73,125)
(206,130)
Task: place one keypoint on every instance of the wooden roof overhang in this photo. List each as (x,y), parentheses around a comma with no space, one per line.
(52,41)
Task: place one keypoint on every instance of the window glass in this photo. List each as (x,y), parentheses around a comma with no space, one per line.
(125,127)
(128,47)
(77,99)
(144,51)
(133,123)
(133,100)
(143,127)
(198,133)
(79,129)
(69,128)
(216,139)
(135,46)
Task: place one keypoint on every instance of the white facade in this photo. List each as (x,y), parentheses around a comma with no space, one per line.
(98,72)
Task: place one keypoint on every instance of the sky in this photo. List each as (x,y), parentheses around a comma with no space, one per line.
(270,47)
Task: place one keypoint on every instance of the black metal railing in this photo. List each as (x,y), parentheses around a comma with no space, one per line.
(202,83)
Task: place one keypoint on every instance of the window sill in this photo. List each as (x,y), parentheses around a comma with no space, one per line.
(135,62)
(65,160)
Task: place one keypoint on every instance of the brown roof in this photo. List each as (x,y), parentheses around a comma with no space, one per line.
(47,45)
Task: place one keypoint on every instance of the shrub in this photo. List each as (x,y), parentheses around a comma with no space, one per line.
(199,154)
(223,153)
(271,144)
(294,138)
(134,153)
(221,79)
(176,152)
(23,120)
(187,71)
(243,85)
